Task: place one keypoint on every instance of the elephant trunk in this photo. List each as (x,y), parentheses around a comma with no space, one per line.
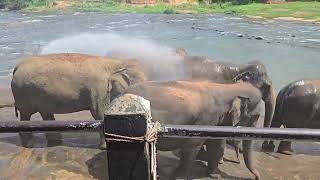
(269,100)
(248,157)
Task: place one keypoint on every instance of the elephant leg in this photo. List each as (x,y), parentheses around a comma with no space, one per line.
(26,138)
(249,158)
(236,145)
(53,138)
(99,115)
(285,148)
(215,150)
(189,153)
(203,154)
(303,121)
(269,146)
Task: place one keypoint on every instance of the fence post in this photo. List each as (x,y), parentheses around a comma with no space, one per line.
(129,156)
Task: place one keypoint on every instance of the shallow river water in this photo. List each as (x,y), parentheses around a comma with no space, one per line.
(290,50)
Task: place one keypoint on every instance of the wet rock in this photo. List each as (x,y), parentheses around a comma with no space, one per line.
(259,38)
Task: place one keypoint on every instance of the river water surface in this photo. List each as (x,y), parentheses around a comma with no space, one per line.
(290,50)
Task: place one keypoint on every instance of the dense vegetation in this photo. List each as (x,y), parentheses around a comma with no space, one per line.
(299,9)
(19,4)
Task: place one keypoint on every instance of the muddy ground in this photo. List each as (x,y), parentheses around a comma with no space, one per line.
(79,158)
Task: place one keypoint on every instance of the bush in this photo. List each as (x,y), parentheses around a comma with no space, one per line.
(13,4)
(19,4)
(169,10)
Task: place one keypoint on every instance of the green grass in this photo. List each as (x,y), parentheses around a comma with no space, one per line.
(304,10)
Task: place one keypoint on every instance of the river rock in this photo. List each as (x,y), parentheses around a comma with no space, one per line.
(259,38)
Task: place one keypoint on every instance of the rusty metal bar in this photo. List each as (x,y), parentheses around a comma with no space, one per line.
(249,133)
(34,126)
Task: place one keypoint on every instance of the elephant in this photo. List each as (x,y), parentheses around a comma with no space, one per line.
(202,68)
(297,106)
(69,82)
(201,103)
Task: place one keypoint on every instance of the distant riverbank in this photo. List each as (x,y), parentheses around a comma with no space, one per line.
(308,11)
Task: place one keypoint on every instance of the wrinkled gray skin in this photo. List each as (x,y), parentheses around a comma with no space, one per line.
(297,106)
(66,83)
(200,67)
(201,103)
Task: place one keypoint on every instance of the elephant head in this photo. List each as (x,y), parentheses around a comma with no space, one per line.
(239,114)
(255,73)
(120,79)
(244,117)
(250,119)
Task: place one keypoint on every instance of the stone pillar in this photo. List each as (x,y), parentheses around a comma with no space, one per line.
(127,125)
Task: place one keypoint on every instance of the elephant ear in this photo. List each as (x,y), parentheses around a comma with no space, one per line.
(117,83)
(235,112)
(124,75)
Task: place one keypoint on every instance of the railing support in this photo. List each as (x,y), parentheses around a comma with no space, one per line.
(127,126)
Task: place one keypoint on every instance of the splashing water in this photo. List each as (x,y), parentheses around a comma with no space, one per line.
(164,62)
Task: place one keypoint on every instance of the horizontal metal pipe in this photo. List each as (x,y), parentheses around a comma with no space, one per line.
(44,126)
(249,133)
(176,131)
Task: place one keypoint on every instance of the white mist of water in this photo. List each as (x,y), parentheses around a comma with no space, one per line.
(164,62)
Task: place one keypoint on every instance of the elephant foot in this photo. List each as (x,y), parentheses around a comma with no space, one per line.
(285,148)
(28,144)
(268,146)
(286,152)
(214,174)
(27,140)
(103,146)
(52,143)
(221,161)
(202,155)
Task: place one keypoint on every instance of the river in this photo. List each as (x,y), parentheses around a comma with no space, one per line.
(289,49)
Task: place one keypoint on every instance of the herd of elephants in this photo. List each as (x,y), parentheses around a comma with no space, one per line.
(213,93)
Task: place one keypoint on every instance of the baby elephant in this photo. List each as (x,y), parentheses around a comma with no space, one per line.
(201,103)
(297,106)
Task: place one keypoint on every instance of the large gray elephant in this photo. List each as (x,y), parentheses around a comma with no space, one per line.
(202,68)
(201,103)
(66,83)
(297,106)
